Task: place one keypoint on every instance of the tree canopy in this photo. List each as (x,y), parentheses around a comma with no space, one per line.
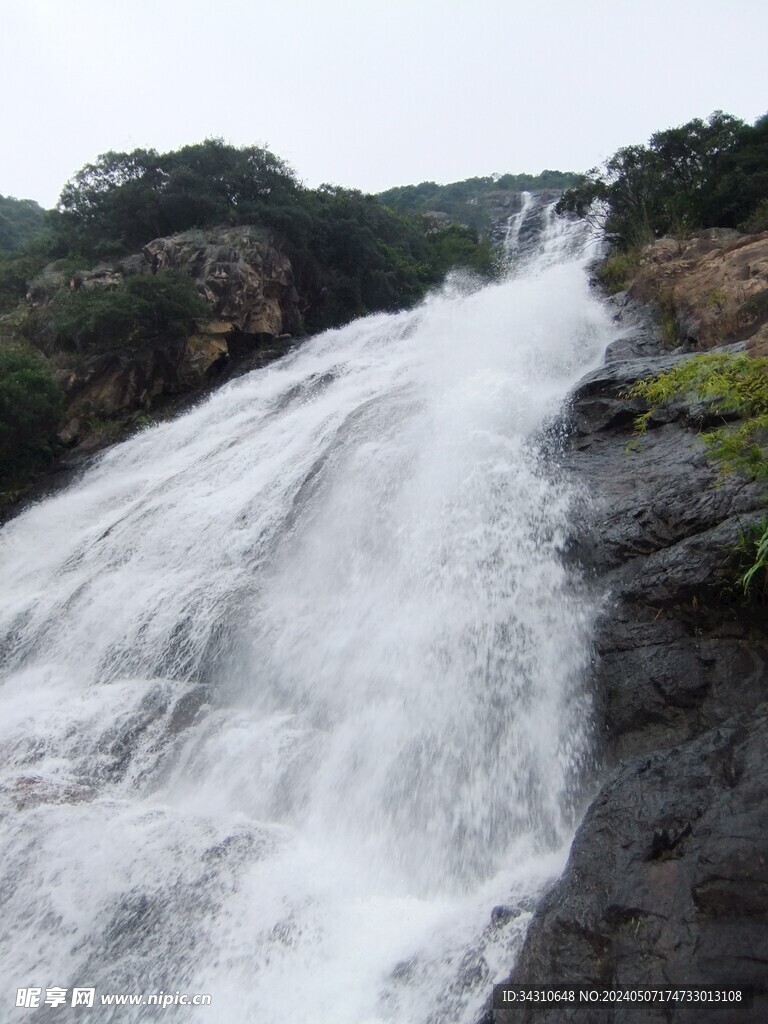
(21,222)
(466,201)
(30,407)
(706,173)
(125,199)
(350,254)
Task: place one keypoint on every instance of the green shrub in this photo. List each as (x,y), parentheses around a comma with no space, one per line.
(21,221)
(30,409)
(732,385)
(617,270)
(15,271)
(459,247)
(148,308)
(758,219)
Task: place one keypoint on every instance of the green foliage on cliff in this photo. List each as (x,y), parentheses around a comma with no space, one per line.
(24,247)
(711,173)
(353,256)
(148,308)
(30,408)
(124,200)
(15,271)
(459,246)
(759,566)
(617,270)
(733,385)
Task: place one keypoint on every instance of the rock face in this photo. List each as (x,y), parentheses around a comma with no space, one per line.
(667,883)
(246,279)
(677,648)
(668,876)
(716,284)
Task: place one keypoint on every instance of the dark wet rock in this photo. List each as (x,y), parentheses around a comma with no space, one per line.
(187,709)
(501,914)
(27,791)
(668,876)
(661,536)
(667,883)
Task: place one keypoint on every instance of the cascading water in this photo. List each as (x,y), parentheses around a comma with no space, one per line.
(515,223)
(536,233)
(291,685)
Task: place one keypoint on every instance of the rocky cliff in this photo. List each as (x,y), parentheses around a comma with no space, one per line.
(667,880)
(712,288)
(247,282)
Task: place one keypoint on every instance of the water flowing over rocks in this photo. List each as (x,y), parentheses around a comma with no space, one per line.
(667,880)
(295,698)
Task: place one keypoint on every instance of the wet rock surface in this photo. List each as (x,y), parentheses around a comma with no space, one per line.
(677,647)
(667,882)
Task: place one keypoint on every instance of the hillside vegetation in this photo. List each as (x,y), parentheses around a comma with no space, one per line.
(22,221)
(350,254)
(474,200)
(706,173)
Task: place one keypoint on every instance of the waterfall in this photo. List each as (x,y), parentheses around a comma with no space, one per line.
(515,223)
(292,686)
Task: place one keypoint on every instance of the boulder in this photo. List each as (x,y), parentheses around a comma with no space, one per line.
(246,278)
(248,282)
(667,884)
(716,285)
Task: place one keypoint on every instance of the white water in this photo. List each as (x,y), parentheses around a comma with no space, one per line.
(516,222)
(292,685)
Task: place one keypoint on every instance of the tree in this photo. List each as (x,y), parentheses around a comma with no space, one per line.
(125,199)
(711,173)
(21,222)
(150,307)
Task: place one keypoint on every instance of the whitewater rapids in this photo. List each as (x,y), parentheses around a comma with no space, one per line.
(292,686)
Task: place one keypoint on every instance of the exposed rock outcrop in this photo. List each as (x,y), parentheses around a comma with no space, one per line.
(247,281)
(246,278)
(678,649)
(667,884)
(716,284)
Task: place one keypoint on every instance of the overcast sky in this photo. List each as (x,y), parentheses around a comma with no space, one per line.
(367,94)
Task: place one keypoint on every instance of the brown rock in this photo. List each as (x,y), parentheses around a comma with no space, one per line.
(207,349)
(243,274)
(246,278)
(715,283)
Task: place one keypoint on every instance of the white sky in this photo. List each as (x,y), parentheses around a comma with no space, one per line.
(366,93)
